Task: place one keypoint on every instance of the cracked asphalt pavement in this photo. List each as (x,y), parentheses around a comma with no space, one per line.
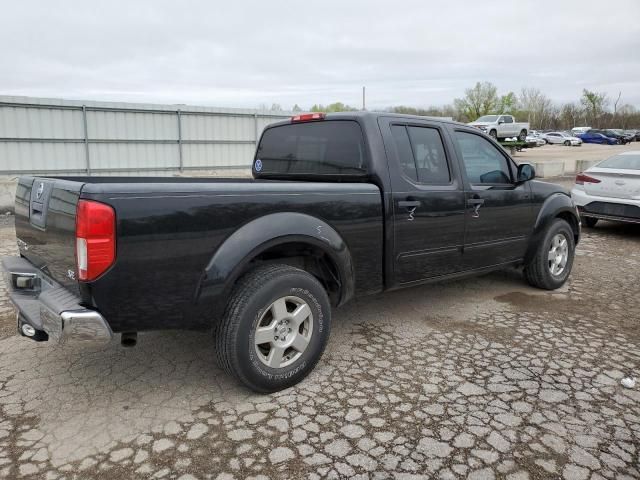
(480,378)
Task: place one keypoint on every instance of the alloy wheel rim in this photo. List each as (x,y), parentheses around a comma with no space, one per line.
(558,254)
(283,332)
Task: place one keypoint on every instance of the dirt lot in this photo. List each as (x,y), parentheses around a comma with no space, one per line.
(482,378)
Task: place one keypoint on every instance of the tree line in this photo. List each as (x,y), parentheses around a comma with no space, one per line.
(593,109)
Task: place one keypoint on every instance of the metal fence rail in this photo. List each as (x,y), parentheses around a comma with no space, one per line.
(64,136)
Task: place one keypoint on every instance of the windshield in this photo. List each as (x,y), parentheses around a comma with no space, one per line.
(626,161)
(488,118)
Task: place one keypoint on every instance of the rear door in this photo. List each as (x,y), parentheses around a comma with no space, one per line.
(45,225)
(508,127)
(499,216)
(428,201)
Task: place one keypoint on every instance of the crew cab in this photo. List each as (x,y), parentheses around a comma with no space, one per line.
(502,126)
(340,206)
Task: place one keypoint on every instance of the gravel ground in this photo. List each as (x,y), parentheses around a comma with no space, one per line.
(481,378)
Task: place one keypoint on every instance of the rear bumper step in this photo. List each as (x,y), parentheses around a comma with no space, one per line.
(53,311)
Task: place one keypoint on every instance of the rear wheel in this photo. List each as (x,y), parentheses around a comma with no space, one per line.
(551,264)
(589,221)
(274,329)
(523,135)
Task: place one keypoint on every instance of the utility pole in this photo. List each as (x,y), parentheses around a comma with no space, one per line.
(363,99)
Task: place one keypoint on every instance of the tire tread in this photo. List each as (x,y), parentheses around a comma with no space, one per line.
(227,328)
(535,272)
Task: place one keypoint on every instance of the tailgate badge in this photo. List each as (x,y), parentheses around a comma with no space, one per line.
(40,191)
(71,274)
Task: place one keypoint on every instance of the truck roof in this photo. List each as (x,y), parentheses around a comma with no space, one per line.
(375,116)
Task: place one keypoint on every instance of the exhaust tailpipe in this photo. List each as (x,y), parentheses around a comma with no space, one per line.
(129,339)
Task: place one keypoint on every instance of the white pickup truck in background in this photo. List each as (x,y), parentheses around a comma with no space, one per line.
(502,126)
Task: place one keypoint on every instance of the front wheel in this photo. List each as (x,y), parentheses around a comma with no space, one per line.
(567,143)
(275,328)
(493,134)
(551,264)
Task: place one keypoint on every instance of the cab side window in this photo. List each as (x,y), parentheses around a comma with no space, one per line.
(482,160)
(403,149)
(422,154)
(507,119)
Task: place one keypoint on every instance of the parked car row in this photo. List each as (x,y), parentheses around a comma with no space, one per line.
(505,127)
(537,139)
(610,136)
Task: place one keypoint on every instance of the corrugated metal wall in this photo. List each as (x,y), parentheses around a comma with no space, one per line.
(64,136)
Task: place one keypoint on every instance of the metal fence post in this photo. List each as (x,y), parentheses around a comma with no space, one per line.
(180,165)
(86,140)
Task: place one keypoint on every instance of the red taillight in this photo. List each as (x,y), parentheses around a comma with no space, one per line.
(95,239)
(581,179)
(308,117)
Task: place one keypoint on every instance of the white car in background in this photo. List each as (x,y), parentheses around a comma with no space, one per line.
(562,138)
(536,140)
(578,130)
(610,190)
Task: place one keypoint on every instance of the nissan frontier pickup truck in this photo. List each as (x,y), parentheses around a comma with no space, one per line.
(340,206)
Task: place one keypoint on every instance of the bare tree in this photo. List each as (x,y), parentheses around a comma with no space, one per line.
(615,105)
(570,114)
(626,113)
(536,105)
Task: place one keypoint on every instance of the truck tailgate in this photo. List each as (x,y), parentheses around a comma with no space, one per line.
(45,226)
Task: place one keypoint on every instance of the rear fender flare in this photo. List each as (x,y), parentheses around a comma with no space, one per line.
(255,237)
(556,205)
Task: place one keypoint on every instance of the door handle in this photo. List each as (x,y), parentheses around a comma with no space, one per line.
(476,203)
(408,203)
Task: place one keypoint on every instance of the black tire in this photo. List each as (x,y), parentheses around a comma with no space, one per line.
(589,221)
(567,143)
(493,134)
(523,136)
(253,295)
(537,272)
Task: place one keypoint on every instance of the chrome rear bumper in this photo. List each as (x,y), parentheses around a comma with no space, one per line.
(53,311)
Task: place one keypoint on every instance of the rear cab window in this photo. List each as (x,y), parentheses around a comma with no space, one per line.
(319,148)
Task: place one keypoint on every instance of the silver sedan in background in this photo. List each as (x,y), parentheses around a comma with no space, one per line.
(563,138)
(610,190)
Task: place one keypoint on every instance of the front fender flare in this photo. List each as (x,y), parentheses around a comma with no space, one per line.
(255,237)
(556,205)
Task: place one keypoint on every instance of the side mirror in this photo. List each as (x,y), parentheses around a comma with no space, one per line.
(526,172)
(500,122)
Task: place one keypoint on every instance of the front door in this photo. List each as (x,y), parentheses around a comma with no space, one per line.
(499,215)
(428,201)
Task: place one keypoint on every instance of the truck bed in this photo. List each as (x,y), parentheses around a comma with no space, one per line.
(168,229)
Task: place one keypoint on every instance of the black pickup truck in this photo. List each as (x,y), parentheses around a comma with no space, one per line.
(339,206)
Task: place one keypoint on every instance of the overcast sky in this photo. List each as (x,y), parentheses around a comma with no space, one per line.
(246,53)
